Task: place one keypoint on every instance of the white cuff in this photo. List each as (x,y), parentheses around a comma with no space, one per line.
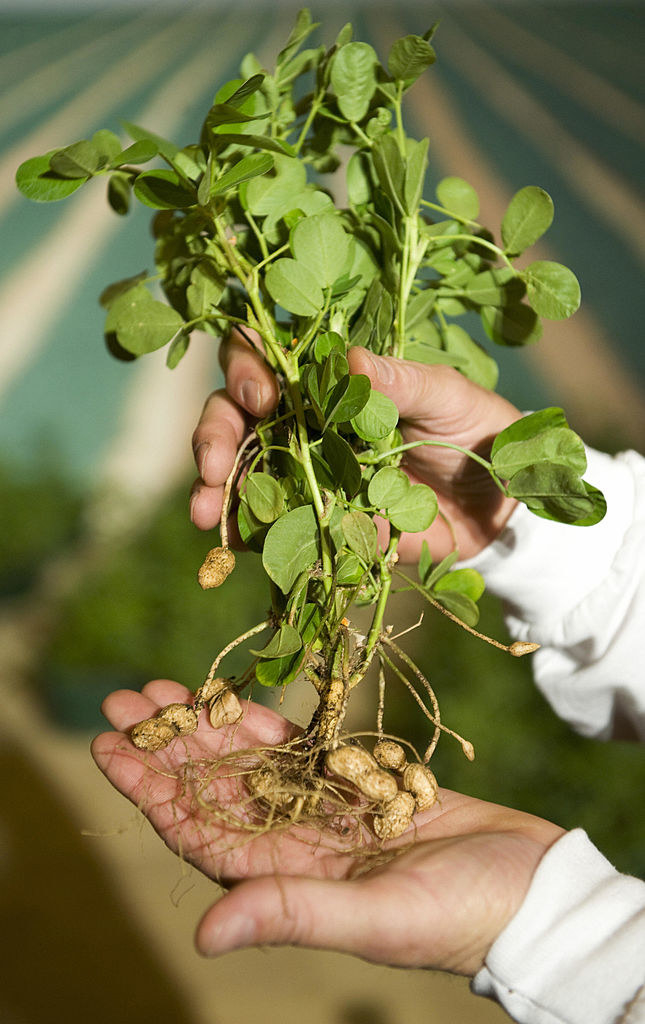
(575,951)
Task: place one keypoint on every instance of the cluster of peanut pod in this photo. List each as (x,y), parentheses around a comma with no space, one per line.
(374,775)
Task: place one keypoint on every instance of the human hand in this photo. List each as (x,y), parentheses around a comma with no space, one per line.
(464,867)
(434,402)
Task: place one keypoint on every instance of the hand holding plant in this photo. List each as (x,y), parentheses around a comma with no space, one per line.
(440,903)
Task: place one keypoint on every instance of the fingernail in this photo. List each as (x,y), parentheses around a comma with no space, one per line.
(233,933)
(201,456)
(193,503)
(252,396)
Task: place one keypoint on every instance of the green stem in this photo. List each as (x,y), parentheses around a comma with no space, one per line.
(371,459)
(449,213)
(376,627)
(361,134)
(322,513)
(258,234)
(400,134)
(449,239)
(313,110)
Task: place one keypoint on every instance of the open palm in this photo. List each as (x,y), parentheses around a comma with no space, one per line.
(461,873)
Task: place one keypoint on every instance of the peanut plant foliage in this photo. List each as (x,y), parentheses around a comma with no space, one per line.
(246,236)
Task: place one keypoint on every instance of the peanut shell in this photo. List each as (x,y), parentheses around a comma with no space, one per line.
(390,755)
(377,785)
(225,709)
(396,817)
(350,762)
(218,564)
(152,734)
(420,781)
(182,717)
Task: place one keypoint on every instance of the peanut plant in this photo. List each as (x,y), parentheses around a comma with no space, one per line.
(248,237)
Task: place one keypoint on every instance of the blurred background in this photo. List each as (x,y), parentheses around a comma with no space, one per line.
(98,558)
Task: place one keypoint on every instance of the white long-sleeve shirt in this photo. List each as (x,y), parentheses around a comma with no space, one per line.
(575,951)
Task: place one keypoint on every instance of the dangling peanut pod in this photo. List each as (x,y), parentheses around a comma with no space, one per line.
(217,566)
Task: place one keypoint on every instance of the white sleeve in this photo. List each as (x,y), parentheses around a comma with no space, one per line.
(575,951)
(580,593)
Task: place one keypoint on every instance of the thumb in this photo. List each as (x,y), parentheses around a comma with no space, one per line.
(285,910)
(420,392)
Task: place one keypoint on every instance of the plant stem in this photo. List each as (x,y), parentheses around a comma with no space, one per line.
(371,459)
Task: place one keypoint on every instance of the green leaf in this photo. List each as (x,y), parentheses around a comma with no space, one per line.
(265,497)
(415,172)
(119,192)
(529,215)
(494,287)
(327,342)
(420,352)
(303,28)
(409,58)
(205,289)
(425,562)
(113,291)
(415,511)
(553,290)
(242,92)
(359,184)
(529,426)
(140,323)
(80,160)
(252,531)
(512,325)
(163,190)
(346,471)
(460,605)
(138,153)
(360,534)
(348,397)
(225,114)
(458,197)
(432,576)
(36,181)
(275,194)
(277,671)
(554,492)
(555,445)
(377,419)
(479,366)
(294,287)
(387,487)
(390,169)
(291,546)
(248,167)
(419,307)
(349,570)
(462,581)
(168,150)
(284,642)
(353,79)
(256,142)
(321,243)
(107,143)
(177,350)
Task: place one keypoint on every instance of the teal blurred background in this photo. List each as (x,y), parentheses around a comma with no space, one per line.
(97,557)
